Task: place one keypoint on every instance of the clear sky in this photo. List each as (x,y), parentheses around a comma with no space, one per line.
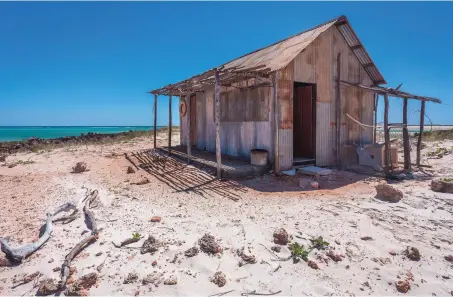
(91,63)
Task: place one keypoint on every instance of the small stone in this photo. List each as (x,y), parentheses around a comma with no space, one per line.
(130,170)
(393,253)
(313,264)
(193,251)
(403,286)
(336,257)
(51,260)
(98,254)
(47,287)
(209,245)
(88,280)
(366,238)
(443,185)
(154,263)
(219,278)
(155,219)
(449,258)
(281,236)
(79,167)
(131,278)
(388,193)
(56,269)
(412,253)
(337,242)
(314,185)
(276,248)
(171,280)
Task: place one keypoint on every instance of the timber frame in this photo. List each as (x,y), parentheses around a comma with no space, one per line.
(219,77)
(386,92)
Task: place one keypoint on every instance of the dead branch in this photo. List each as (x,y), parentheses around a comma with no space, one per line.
(260,294)
(78,247)
(126,242)
(221,294)
(279,258)
(18,254)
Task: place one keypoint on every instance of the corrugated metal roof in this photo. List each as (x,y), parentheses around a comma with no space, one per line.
(278,55)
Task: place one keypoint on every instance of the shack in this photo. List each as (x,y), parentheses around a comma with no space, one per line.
(305,99)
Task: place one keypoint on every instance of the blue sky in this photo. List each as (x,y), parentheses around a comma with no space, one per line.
(91,63)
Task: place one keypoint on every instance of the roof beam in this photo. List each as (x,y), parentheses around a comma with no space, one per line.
(356,47)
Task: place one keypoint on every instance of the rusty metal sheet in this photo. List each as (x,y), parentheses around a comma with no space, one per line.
(325,134)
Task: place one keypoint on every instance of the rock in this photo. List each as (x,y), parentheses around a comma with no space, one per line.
(314,185)
(151,245)
(393,253)
(444,185)
(130,170)
(336,257)
(388,193)
(2,158)
(247,259)
(219,278)
(144,181)
(51,260)
(193,251)
(276,248)
(153,278)
(312,264)
(131,278)
(154,263)
(412,253)
(88,280)
(403,286)
(79,167)
(366,238)
(281,236)
(209,245)
(98,254)
(171,280)
(47,287)
(155,219)
(56,269)
(449,258)
(4,262)
(381,260)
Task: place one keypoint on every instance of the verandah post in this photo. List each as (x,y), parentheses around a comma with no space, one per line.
(188,128)
(155,120)
(387,158)
(407,151)
(217,123)
(338,115)
(420,135)
(169,125)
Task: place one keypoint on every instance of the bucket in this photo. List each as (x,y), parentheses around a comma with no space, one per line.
(258,157)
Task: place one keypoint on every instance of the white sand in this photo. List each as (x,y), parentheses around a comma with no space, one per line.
(342,214)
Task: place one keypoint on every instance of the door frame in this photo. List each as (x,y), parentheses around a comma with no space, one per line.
(314,96)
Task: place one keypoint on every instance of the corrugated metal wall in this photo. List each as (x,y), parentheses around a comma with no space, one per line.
(236,138)
(285,99)
(325,148)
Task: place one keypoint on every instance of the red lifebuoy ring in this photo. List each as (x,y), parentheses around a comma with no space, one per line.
(182,108)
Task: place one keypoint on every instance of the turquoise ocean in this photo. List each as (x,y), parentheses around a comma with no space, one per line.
(15,133)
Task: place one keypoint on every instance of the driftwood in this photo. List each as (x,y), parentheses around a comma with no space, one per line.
(20,253)
(78,247)
(260,294)
(127,241)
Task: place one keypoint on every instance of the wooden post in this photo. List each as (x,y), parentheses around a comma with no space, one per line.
(169,125)
(407,151)
(338,114)
(276,126)
(420,135)
(218,152)
(387,159)
(376,101)
(155,120)
(188,128)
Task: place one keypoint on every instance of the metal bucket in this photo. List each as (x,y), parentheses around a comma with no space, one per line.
(258,157)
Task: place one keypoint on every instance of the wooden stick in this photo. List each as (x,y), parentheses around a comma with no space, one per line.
(218,151)
(376,102)
(126,242)
(338,114)
(387,159)
(407,151)
(188,112)
(260,294)
(169,125)
(155,120)
(420,135)
(221,294)
(276,125)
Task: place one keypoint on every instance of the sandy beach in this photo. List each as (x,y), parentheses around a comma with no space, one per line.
(367,237)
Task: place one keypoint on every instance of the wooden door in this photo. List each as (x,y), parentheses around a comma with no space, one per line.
(193,119)
(303,141)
